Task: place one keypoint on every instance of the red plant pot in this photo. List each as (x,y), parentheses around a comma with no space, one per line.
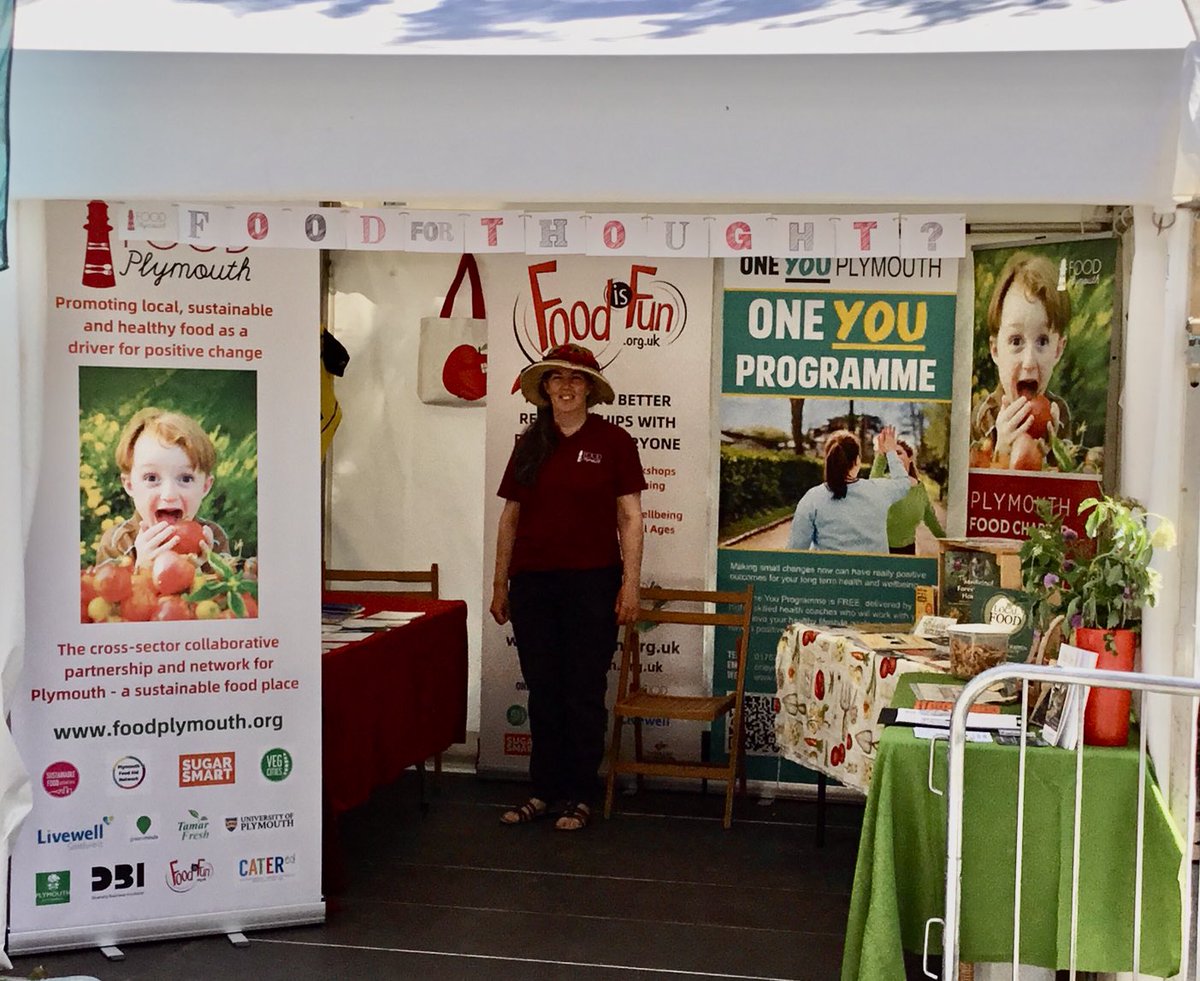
(1106,717)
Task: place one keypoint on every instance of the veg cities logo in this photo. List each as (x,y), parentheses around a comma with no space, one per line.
(276,764)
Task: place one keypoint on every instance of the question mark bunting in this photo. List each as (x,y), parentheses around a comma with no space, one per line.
(934,230)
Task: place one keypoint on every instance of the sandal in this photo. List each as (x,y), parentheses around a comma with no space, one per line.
(533,809)
(575,817)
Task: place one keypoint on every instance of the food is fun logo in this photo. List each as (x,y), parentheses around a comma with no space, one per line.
(635,310)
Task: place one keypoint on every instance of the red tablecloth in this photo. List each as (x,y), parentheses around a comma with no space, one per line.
(394,699)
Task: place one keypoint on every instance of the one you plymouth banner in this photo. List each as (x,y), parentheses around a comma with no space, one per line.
(169,717)
(1043,346)
(826,356)
(649,323)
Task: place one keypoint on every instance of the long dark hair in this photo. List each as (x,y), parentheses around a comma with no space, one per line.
(534,446)
(841,453)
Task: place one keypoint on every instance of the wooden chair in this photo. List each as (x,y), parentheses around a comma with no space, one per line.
(632,702)
(404,576)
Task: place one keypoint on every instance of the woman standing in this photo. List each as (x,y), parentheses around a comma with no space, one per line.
(912,510)
(568,567)
(845,514)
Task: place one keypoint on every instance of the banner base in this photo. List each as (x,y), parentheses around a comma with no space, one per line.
(166,928)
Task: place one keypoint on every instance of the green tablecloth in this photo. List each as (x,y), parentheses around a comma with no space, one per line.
(899,879)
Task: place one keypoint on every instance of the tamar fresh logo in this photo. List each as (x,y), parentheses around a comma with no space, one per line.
(194,827)
(276,764)
(52,888)
(128,772)
(183,876)
(207,769)
(516,715)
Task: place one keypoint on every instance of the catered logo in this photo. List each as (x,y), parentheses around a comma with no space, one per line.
(516,715)
(266,866)
(636,311)
(128,772)
(87,837)
(276,764)
(60,779)
(194,827)
(207,769)
(279,821)
(517,743)
(118,880)
(143,825)
(183,876)
(52,888)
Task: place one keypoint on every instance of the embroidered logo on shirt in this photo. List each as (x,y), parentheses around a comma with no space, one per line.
(586,457)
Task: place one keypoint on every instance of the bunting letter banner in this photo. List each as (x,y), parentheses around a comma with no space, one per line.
(677,235)
(379,230)
(615,235)
(933,236)
(803,236)
(494,231)
(859,236)
(554,233)
(142,221)
(203,224)
(433,231)
(739,235)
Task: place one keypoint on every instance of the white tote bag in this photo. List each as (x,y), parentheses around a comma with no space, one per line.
(452,359)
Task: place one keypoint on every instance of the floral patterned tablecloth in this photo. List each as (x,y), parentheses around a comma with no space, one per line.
(830,689)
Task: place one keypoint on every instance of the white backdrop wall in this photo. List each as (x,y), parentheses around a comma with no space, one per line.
(407,478)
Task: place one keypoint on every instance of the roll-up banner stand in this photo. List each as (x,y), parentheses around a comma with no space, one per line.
(649,323)
(170,711)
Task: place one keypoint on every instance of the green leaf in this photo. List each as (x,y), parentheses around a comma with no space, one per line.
(218,563)
(237,604)
(207,590)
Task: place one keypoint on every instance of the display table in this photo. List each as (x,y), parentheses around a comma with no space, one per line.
(830,691)
(899,881)
(394,699)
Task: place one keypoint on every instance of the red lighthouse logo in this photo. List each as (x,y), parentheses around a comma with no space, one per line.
(97,258)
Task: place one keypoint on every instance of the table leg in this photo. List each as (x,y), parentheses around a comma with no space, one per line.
(822,782)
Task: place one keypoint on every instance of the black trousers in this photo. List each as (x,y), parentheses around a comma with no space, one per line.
(565,626)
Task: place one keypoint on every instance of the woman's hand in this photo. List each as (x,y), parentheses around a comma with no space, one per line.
(629,601)
(152,541)
(499,607)
(885,442)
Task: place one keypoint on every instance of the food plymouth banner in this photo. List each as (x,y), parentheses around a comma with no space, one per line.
(817,354)
(649,323)
(171,695)
(1041,381)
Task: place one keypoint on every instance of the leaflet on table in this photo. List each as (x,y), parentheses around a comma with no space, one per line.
(1061,706)
(924,732)
(920,717)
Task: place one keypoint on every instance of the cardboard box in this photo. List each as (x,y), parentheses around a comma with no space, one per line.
(964,563)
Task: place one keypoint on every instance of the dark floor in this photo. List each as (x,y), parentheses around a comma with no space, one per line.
(659,891)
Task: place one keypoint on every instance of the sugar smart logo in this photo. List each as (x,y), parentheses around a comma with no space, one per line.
(517,743)
(207,769)
(60,779)
(52,888)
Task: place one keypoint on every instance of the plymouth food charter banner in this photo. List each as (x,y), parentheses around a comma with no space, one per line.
(1044,318)
(822,355)
(169,717)
(649,323)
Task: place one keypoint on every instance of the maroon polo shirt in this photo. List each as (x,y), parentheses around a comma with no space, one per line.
(568,518)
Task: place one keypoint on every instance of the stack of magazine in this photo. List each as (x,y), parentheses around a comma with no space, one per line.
(1059,708)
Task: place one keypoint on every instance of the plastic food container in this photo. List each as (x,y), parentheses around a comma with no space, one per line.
(975,647)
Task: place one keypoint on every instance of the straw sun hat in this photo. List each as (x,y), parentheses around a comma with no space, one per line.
(566,357)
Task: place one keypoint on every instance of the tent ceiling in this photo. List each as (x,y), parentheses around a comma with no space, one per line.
(863,102)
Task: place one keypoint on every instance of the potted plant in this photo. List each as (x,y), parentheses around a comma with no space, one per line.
(1100,583)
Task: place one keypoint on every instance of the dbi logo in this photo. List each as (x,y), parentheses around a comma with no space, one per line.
(118,880)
